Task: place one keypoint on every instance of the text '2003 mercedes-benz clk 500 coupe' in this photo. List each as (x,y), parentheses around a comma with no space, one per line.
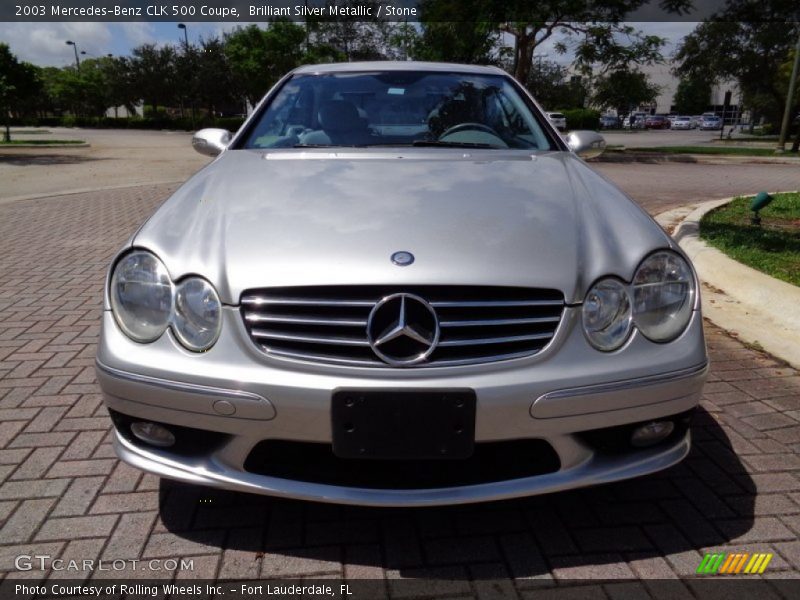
(398,285)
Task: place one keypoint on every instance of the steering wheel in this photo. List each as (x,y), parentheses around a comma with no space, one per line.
(470,127)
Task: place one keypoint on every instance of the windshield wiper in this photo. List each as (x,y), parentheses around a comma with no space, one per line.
(441,144)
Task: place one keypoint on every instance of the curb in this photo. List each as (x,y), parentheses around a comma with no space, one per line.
(702,159)
(11,199)
(758,309)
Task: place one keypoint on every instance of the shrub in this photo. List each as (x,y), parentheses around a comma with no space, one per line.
(582,118)
(161,121)
(229,123)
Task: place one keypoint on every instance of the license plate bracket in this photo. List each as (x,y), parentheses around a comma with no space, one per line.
(403,424)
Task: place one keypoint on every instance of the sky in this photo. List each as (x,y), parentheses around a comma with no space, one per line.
(44,43)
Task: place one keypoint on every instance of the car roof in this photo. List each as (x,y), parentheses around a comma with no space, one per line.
(397,65)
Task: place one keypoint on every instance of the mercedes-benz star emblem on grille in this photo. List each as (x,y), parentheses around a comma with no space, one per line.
(403,330)
(402,258)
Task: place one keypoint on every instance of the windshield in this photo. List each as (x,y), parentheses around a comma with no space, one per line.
(397,108)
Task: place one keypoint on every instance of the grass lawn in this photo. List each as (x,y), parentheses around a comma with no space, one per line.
(710,150)
(29,131)
(39,142)
(773,248)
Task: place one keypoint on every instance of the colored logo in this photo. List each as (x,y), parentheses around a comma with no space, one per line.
(402,258)
(721,563)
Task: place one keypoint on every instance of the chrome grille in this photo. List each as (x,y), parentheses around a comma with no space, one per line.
(329,323)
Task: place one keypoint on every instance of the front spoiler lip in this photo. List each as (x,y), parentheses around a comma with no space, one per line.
(594,470)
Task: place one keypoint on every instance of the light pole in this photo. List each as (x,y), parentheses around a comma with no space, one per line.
(185,34)
(305,22)
(186,54)
(75,48)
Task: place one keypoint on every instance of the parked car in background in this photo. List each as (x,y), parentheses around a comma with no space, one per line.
(610,122)
(711,123)
(683,123)
(558,120)
(696,120)
(635,120)
(397,285)
(671,118)
(656,122)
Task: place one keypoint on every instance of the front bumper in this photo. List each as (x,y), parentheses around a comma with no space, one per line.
(595,470)
(238,392)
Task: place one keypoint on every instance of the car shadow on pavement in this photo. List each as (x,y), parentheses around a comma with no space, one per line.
(31,160)
(704,502)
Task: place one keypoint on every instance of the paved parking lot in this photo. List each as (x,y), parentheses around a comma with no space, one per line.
(644,138)
(63,493)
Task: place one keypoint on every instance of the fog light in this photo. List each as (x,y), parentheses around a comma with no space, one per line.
(652,433)
(153,434)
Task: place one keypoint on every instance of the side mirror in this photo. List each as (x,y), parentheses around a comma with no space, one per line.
(211,141)
(586,144)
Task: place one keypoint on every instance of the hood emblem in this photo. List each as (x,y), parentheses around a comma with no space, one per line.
(403,330)
(402,258)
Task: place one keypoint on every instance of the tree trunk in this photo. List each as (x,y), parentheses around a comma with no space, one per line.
(7,133)
(796,142)
(525,48)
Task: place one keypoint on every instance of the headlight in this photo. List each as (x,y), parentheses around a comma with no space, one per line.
(607,319)
(141,296)
(197,319)
(663,296)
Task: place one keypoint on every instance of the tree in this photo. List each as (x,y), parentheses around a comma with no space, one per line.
(187,60)
(553,86)
(259,57)
(93,87)
(153,73)
(623,90)
(364,39)
(592,43)
(216,85)
(692,96)
(7,89)
(19,85)
(121,91)
(403,38)
(593,29)
(740,43)
(66,87)
(465,42)
(785,74)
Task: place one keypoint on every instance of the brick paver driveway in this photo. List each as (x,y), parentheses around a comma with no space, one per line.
(63,493)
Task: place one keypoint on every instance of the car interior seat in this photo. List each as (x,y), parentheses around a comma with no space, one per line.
(340,123)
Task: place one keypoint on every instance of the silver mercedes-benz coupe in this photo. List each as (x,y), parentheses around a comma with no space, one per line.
(397,284)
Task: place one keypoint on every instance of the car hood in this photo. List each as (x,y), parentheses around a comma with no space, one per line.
(254,219)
